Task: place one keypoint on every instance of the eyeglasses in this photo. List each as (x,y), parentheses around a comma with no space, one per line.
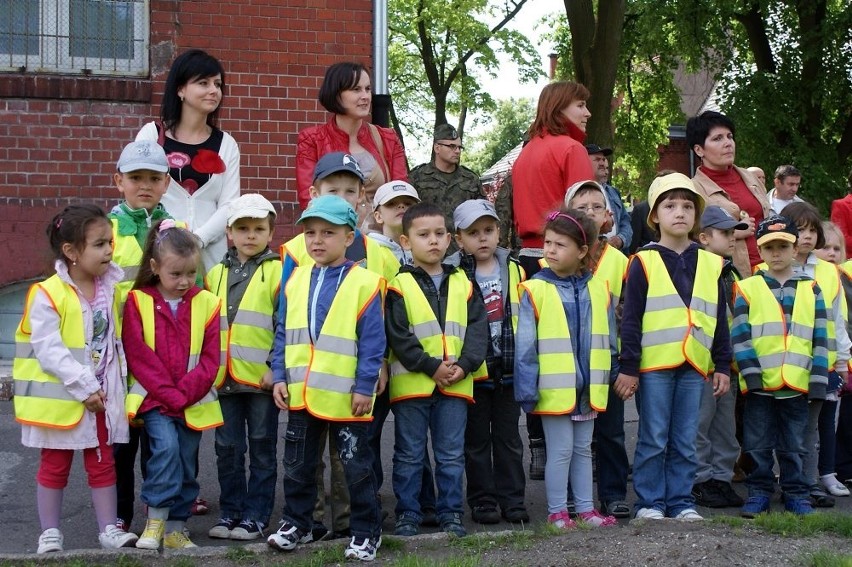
(593,208)
(453,147)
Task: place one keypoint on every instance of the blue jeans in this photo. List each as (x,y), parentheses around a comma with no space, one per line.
(444,418)
(301,453)
(665,463)
(252,416)
(772,424)
(173,467)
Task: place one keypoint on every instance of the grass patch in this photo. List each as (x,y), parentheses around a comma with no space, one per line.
(787,524)
(825,558)
(392,544)
(413,561)
(240,555)
(483,541)
(318,558)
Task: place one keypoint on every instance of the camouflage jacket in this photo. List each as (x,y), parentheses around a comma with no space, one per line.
(447,190)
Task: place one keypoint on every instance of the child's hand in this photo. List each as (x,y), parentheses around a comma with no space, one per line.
(95,402)
(442,374)
(279,395)
(361,404)
(266,380)
(625,386)
(457,374)
(383,379)
(721,384)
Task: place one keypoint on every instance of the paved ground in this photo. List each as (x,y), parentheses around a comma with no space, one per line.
(19,520)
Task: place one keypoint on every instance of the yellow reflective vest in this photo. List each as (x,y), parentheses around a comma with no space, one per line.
(206,412)
(321,375)
(557,379)
(41,398)
(785,354)
(251,333)
(673,333)
(380,260)
(444,344)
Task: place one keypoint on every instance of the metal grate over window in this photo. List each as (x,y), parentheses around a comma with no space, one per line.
(106,37)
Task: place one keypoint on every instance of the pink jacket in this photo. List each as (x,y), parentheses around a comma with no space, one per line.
(162,371)
(316,141)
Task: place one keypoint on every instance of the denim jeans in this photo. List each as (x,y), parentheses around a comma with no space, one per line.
(664,465)
(444,418)
(253,417)
(173,467)
(773,424)
(301,453)
(493,451)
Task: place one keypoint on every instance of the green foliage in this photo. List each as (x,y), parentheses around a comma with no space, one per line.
(509,124)
(241,555)
(826,558)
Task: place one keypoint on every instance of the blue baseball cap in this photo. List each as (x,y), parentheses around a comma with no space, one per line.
(337,162)
(330,208)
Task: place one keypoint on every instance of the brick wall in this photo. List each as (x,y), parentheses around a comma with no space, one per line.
(60,136)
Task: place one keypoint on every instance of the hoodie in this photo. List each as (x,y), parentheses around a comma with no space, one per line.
(404,256)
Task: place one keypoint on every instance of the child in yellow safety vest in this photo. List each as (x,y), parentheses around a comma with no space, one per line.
(69,372)
(327,353)
(174,335)
(674,336)
(438,338)
(247,280)
(565,348)
(780,342)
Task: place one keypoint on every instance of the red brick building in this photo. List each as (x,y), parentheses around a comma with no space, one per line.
(61,131)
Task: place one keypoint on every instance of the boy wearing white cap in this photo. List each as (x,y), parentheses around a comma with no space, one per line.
(247,280)
(389,204)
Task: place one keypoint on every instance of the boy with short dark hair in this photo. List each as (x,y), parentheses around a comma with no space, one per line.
(493,449)
(438,335)
(781,347)
(326,359)
(247,280)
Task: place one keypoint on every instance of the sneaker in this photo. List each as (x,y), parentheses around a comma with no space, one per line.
(561,520)
(798,506)
(363,548)
(288,537)
(726,490)
(689,515)
(50,540)
(617,508)
(405,526)
(177,540)
(833,486)
(199,507)
(122,525)
(452,524)
(319,532)
(708,495)
(430,517)
(597,520)
(248,529)
(485,514)
(152,535)
(755,505)
(516,515)
(820,498)
(223,529)
(538,458)
(114,538)
(649,514)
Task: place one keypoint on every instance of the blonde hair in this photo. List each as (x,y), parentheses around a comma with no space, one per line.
(829,228)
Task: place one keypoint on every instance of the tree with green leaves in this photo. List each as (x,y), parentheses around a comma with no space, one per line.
(510,123)
(437,51)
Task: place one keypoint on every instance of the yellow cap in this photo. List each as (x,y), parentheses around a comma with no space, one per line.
(669,182)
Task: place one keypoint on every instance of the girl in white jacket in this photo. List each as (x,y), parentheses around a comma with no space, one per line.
(70,375)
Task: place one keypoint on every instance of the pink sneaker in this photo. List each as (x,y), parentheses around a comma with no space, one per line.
(562,520)
(596,519)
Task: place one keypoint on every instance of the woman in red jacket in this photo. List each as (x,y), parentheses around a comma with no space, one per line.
(347,94)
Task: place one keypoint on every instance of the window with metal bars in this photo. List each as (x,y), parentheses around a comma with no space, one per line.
(89,37)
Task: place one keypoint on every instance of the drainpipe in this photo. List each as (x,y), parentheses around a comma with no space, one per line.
(381,96)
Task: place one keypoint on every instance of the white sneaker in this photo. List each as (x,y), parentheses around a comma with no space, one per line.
(114,538)
(689,515)
(649,514)
(833,486)
(50,540)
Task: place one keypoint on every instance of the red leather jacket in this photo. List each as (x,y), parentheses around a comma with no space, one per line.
(316,141)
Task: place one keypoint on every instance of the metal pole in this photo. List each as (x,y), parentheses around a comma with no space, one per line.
(381,97)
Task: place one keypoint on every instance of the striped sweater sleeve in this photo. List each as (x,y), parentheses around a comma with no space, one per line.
(744,352)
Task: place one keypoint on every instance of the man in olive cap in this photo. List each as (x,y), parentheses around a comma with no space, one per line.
(443,181)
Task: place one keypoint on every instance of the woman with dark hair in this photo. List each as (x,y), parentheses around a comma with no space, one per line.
(551,162)
(346,93)
(204,161)
(735,189)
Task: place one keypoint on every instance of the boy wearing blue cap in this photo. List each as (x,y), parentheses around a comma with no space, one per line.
(325,364)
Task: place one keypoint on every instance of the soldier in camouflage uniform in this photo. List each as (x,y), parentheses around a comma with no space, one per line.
(443,181)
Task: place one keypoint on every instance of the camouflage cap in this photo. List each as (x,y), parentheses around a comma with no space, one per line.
(446,132)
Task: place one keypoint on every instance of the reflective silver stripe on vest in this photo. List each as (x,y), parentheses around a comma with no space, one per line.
(249,354)
(253,319)
(426,329)
(337,345)
(556,381)
(296,374)
(772,329)
(771,361)
(211,396)
(675,335)
(455,329)
(52,390)
(397,368)
(25,350)
(552,345)
(331,383)
(192,362)
(600,341)
(663,302)
(130,273)
(698,304)
(299,336)
(138,389)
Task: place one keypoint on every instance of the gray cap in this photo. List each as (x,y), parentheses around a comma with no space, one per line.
(249,206)
(143,154)
(470,211)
